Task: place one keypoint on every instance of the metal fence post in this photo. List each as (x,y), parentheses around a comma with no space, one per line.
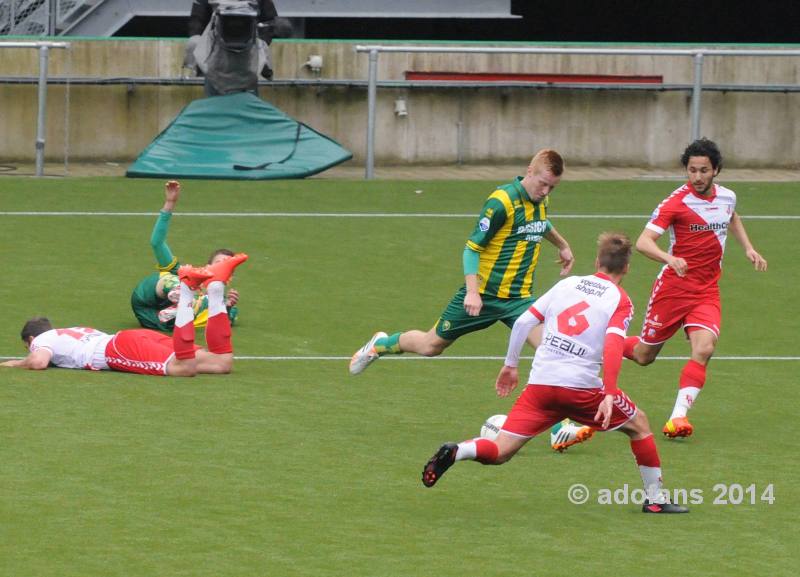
(697,90)
(41,121)
(371,90)
(52,20)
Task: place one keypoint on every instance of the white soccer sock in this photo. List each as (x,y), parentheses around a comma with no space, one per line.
(467,451)
(684,402)
(185,312)
(216,298)
(651,477)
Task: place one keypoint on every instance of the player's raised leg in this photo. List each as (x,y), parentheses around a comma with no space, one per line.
(218,358)
(185,362)
(485,451)
(427,344)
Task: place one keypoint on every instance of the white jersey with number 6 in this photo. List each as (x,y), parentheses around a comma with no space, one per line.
(577,313)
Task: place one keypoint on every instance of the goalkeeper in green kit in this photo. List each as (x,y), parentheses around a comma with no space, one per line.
(499,261)
(154,298)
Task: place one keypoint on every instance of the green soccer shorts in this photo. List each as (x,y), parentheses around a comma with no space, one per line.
(455,321)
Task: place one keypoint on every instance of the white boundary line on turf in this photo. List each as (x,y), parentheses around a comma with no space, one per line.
(462,358)
(351,215)
(451,358)
(485,358)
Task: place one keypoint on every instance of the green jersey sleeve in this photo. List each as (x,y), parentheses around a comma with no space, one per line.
(158,241)
(492,217)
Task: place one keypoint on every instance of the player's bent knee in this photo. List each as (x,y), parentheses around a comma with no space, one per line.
(704,352)
(645,359)
(503,458)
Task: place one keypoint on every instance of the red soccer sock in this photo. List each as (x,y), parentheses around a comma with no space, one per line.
(482,450)
(692,375)
(486,451)
(183,333)
(183,341)
(645,452)
(627,348)
(218,334)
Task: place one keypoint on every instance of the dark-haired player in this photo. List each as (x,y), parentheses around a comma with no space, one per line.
(584,320)
(698,216)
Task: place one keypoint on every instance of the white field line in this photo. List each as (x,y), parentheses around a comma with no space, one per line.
(487,358)
(350,215)
(471,358)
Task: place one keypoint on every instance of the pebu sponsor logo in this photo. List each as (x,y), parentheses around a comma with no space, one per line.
(708,226)
(566,345)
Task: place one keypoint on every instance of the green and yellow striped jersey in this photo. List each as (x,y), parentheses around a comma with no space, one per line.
(508,237)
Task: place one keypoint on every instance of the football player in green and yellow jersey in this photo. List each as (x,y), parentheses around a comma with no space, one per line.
(499,261)
(153,299)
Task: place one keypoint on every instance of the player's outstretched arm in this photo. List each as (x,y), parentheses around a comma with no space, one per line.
(35,361)
(565,257)
(738,231)
(158,239)
(508,378)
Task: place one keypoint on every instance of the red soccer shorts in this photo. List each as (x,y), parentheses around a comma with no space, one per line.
(140,351)
(539,407)
(668,311)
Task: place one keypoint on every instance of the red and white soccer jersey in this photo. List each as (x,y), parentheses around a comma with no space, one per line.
(74,348)
(698,227)
(577,313)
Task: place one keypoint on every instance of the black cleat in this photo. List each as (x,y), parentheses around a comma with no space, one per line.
(439,463)
(650,507)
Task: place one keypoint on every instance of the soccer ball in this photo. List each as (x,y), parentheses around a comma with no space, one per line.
(491,428)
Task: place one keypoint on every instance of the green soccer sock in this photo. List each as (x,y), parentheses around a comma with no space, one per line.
(388,345)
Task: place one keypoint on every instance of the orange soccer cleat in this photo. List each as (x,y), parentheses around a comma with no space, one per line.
(194,276)
(678,427)
(223,270)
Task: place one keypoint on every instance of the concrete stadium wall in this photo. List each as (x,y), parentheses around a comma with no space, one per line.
(475,125)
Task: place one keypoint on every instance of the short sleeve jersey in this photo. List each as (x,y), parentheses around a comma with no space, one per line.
(74,348)
(508,236)
(698,227)
(577,314)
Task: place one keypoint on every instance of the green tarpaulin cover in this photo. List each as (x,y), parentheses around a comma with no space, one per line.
(237,136)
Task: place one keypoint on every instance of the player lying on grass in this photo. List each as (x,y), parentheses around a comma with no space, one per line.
(685,294)
(144,351)
(499,263)
(585,319)
(153,299)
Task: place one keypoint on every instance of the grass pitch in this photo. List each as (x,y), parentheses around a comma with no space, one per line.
(290,467)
